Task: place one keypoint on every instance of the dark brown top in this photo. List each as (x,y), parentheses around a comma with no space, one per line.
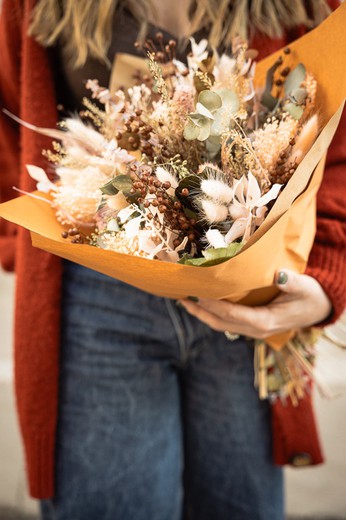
(71,82)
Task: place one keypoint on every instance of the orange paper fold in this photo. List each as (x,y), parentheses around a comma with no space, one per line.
(283,241)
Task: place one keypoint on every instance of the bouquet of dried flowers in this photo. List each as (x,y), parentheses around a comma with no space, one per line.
(184,165)
(195,165)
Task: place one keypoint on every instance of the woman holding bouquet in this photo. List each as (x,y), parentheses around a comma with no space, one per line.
(131,408)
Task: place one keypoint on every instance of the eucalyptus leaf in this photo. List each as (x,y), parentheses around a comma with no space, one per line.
(223,252)
(213,146)
(204,130)
(267,98)
(211,100)
(109,189)
(296,111)
(298,95)
(205,112)
(191,132)
(121,183)
(269,101)
(196,118)
(213,256)
(295,78)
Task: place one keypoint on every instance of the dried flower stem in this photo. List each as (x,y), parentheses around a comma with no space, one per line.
(156,72)
(248,147)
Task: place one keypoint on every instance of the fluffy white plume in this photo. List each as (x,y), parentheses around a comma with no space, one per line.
(217,190)
(213,211)
(79,193)
(215,238)
(86,134)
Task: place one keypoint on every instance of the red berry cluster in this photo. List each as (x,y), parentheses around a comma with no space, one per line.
(75,236)
(153,192)
(136,134)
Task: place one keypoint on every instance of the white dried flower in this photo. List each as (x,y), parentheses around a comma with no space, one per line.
(199,53)
(217,190)
(39,175)
(85,134)
(215,238)
(79,195)
(213,211)
(249,207)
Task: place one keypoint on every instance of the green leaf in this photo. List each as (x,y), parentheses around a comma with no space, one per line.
(204,131)
(192,183)
(222,252)
(121,183)
(269,101)
(295,78)
(211,100)
(191,132)
(213,145)
(109,189)
(187,260)
(298,95)
(213,256)
(196,118)
(294,110)
(267,98)
(190,214)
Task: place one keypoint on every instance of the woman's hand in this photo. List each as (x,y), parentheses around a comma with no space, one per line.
(302,303)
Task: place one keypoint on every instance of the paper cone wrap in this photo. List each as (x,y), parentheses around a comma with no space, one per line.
(285,238)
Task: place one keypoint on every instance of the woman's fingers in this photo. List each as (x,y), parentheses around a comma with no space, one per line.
(302,303)
(221,315)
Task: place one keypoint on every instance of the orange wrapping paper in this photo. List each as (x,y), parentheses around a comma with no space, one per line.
(284,239)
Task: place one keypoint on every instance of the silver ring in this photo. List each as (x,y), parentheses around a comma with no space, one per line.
(231,336)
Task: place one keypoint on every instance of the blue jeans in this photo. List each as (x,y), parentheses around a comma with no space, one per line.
(158,418)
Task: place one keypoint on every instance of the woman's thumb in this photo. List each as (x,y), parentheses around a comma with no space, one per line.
(289,281)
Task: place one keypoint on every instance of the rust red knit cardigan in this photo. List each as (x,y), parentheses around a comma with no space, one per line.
(27,89)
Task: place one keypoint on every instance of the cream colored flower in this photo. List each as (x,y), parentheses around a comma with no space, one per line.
(248,208)
(198,53)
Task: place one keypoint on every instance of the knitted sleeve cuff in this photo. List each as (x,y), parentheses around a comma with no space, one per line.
(328,266)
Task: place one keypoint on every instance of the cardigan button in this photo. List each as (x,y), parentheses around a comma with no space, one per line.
(301,459)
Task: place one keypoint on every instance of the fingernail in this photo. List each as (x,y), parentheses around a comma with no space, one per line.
(282,278)
(193,298)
